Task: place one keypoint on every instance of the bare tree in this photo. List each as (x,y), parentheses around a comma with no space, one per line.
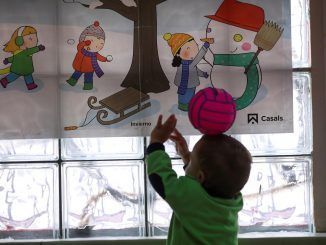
(145,73)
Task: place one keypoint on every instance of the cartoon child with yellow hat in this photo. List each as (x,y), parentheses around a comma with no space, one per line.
(187,55)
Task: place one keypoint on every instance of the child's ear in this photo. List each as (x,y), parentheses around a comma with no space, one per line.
(201,176)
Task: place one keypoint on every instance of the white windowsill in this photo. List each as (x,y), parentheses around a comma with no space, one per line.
(248,239)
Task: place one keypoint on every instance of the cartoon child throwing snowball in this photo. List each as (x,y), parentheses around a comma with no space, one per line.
(91,41)
(187,55)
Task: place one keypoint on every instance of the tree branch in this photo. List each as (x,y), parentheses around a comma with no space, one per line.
(120,196)
(117,6)
(74,1)
(160,1)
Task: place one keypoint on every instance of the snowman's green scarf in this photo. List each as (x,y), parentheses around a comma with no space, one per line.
(253,80)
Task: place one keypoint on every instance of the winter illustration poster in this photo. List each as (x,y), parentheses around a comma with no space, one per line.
(110,67)
(29,94)
(218,38)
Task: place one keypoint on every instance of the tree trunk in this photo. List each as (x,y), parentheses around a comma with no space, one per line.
(146,73)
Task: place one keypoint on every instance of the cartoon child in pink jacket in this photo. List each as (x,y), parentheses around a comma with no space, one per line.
(91,41)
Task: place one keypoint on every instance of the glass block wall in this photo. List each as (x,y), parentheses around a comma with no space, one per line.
(276,198)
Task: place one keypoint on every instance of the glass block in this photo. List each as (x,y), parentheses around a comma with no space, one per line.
(29,201)
(103,199)
(159,212)
(102,148)
(277,197)
(28,150)
(170,146)
(297,143)
(300,25)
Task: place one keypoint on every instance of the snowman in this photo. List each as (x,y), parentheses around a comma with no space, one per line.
(234,27)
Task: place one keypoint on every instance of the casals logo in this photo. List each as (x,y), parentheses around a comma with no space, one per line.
(253,118)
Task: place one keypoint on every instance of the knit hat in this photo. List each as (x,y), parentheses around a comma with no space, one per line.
(243,15)
(176,41)
(92,30)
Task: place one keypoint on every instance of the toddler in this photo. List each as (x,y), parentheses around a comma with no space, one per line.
(206,201)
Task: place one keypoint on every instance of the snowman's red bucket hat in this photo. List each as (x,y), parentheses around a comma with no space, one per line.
(243,15)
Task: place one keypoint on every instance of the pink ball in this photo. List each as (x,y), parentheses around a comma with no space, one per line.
(212,111)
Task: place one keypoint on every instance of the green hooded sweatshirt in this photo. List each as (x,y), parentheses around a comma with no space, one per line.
(198,218)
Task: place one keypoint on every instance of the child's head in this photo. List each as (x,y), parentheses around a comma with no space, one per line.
(183,47)
(96,35)
(221,164)
(22,38)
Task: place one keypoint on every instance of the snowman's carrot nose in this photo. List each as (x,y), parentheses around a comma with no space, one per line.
(208,40)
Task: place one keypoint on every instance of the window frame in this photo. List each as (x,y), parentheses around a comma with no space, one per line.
(318,24)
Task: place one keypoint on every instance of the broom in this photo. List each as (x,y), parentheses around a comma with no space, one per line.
(266,39)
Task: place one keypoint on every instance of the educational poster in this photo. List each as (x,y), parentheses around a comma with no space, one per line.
(243,47)
(99,69)
(96,68)
(118,103)
(28,70)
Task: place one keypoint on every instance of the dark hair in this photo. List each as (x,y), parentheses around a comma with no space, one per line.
(226,164)
(177,59)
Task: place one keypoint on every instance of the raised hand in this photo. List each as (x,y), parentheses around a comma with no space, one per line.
(6,61)
(181,146)
(41,47)
(162,131)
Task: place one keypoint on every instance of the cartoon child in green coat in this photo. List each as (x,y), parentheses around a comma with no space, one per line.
(22,45)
